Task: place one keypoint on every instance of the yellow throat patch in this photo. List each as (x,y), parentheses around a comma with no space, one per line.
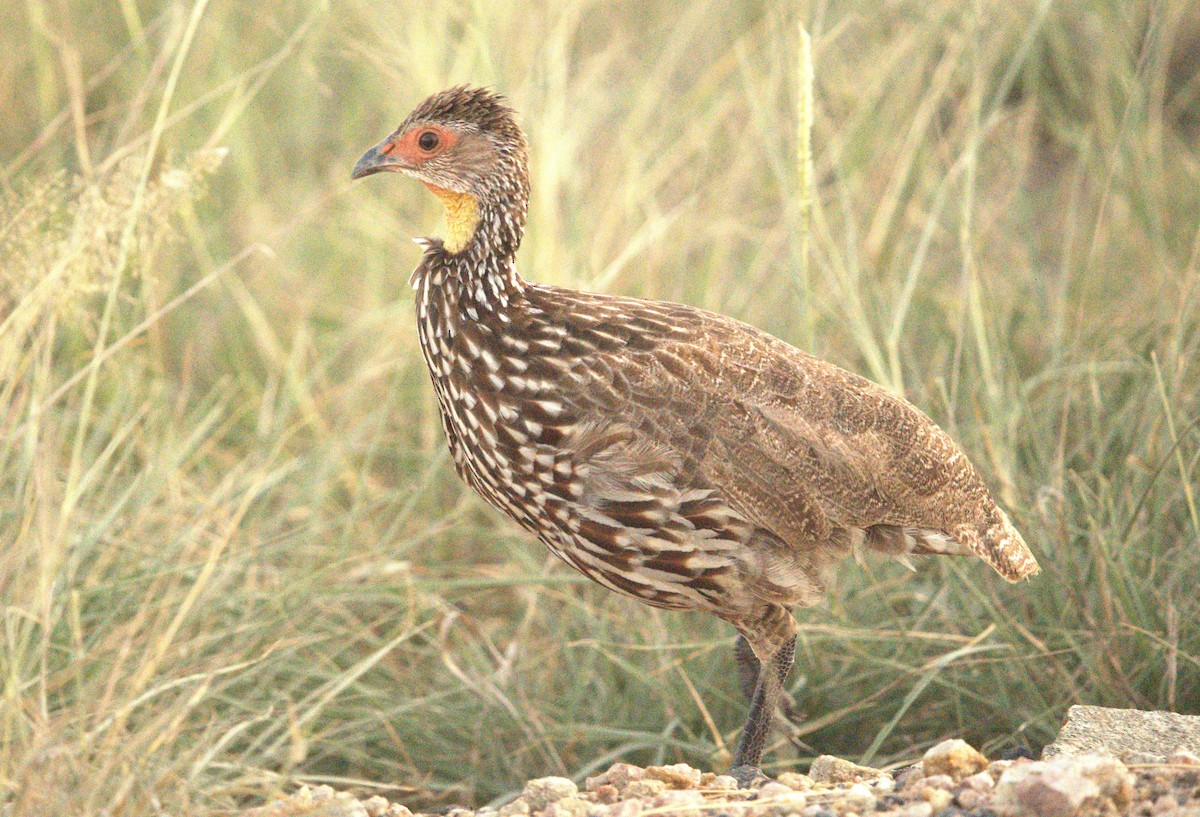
(462,217)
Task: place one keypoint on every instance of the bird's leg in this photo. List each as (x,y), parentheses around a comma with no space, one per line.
(747,666)
(769,684)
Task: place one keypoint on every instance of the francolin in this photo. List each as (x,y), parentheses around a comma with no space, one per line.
(671,454)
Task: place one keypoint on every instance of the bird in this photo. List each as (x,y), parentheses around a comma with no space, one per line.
(671,454)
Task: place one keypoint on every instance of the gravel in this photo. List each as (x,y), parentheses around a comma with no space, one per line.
(951,780)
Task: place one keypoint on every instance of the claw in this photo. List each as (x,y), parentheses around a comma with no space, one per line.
(748,777)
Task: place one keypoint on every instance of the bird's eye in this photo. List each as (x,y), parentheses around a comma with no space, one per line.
(428,140)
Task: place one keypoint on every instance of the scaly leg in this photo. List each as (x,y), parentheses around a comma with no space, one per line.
(767,688)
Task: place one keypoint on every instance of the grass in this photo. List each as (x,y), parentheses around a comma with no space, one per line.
(233,552)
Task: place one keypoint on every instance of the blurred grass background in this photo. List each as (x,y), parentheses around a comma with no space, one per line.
(233,552)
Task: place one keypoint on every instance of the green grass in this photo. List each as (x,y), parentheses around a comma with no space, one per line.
(233,552)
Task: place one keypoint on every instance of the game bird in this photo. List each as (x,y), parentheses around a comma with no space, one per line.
(671,454)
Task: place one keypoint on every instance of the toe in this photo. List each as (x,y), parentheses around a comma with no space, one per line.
(748,777)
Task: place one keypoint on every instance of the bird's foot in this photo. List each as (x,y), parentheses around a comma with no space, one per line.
(748,777)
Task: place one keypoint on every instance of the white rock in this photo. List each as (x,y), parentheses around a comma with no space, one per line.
(955,758)
(543,791)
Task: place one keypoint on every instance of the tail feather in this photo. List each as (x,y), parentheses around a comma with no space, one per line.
(999,544)
(995,541)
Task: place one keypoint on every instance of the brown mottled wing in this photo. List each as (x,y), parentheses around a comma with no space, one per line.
(805,452)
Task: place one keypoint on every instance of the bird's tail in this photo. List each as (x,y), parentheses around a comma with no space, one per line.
(999,544)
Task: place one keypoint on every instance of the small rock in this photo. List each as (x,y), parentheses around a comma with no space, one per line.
(676,776)
(619,775)
(978,782)
(376,806)
(909,777)
(773,788)
(796,781)
(679,802)
(999,767)
(1114,780)
(937,798)
(1064,788)
(514,808)
(968,798)
(1044,789)
(955,758)
(860,798)
(572,806)
(721,782)
(972,790)
(1100,730)
(625,808)
(1184,758)
(921,809)
(604,793)
(644,788)
(543,791)
(830,769)
(938,781)
(1164,802)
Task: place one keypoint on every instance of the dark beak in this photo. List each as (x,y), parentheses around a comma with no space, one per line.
(376,160)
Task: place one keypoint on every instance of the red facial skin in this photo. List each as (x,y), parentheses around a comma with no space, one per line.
(407,149)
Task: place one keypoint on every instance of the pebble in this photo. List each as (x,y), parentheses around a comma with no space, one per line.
(619,775)
(1111,775)
(955,758)
(830,769)
(376,806)
(604,793)
(514,808)
(723,782)
(909,777)
(968,798)
(644,788)
(676,776)
(860,798)
(978,782)
(625,808)
(920,809)
(572,806)
(773,788)
(543,791)
(797,781)
(937,798)
(937,781)
(1051,791)
(971,790)
(677,801)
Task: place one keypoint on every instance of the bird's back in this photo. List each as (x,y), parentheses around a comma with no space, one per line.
(675,440)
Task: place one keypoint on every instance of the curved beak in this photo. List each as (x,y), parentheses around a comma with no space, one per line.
(376,160)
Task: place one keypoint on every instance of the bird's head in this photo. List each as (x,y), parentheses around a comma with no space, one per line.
(465,146)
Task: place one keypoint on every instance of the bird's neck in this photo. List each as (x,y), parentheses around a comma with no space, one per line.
(478,255)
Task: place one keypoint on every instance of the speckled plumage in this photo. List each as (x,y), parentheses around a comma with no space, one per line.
(671,454)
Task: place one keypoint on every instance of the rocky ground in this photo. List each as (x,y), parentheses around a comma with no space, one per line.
(1102,764)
